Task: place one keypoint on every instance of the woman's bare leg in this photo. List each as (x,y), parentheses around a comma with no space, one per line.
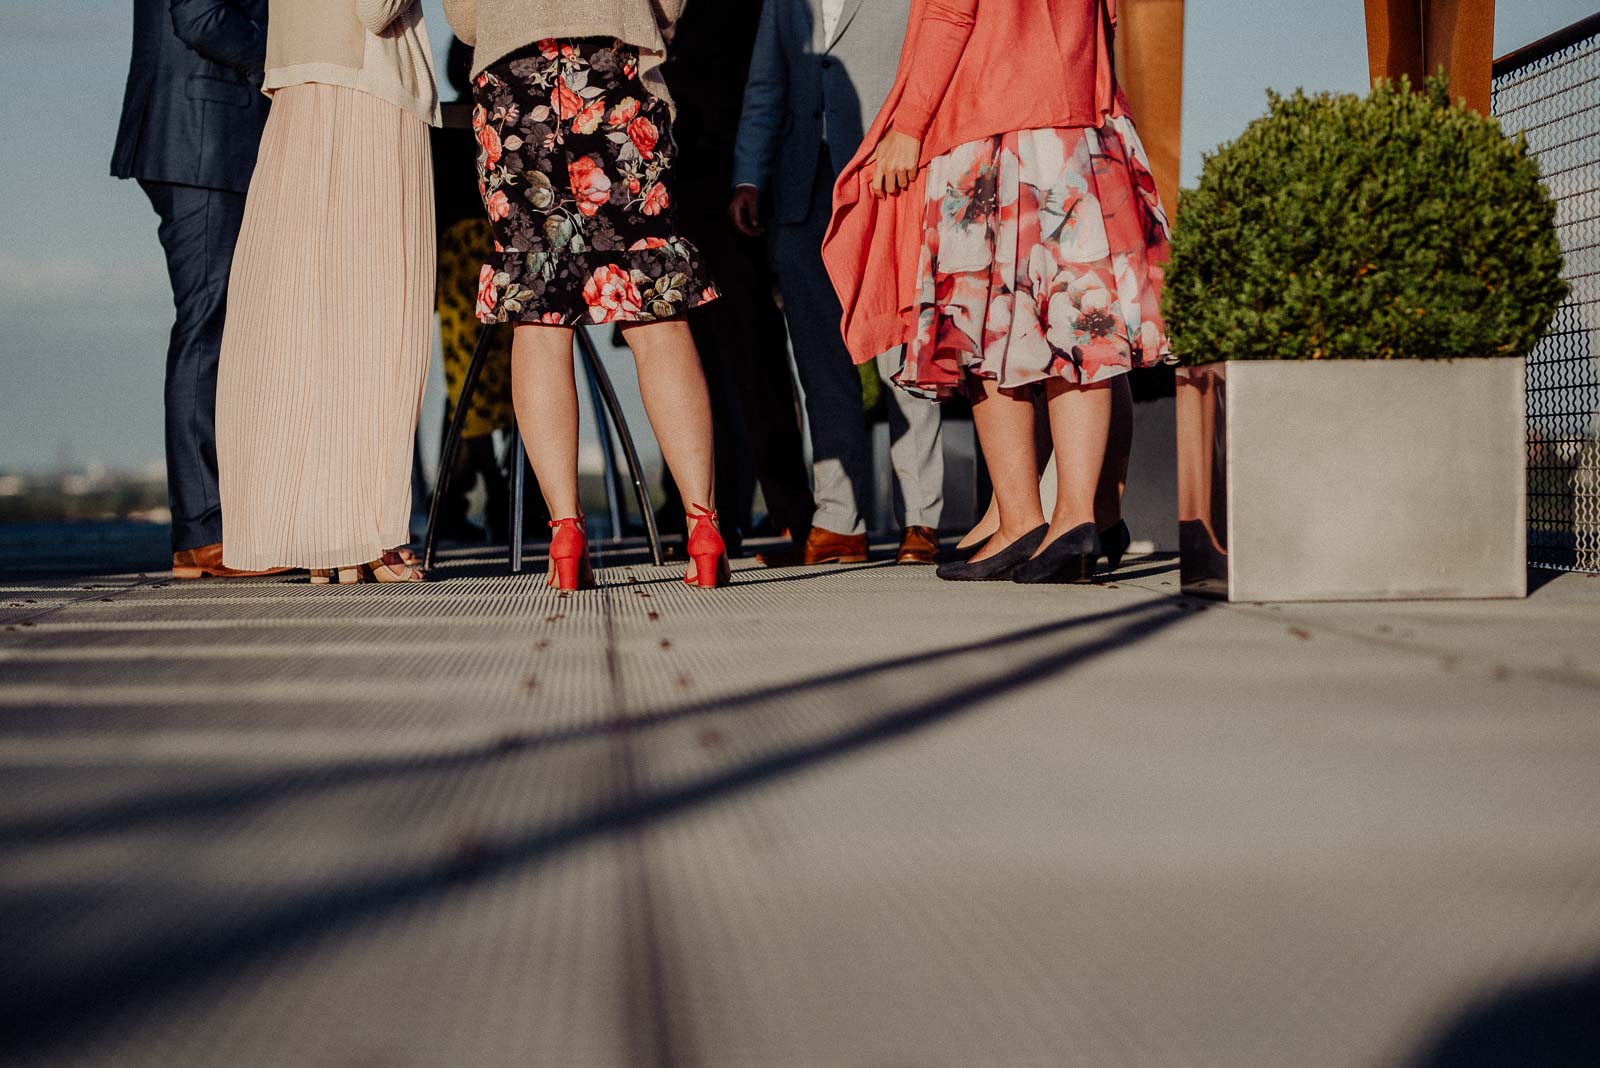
(678,404)
(1005,425)
(984,529)
(1080,424)
(673,386)
(545,395)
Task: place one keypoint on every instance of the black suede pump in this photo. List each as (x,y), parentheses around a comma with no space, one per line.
(1072,557)
(998,567)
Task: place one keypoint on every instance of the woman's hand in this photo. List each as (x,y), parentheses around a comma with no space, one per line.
(894,164)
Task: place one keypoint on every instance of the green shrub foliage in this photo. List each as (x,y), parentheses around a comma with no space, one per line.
(1340,227)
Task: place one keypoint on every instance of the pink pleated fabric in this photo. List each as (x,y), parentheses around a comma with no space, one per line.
(328,334)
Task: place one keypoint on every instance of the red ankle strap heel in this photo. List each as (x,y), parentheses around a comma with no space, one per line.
(569,555)
(707,550)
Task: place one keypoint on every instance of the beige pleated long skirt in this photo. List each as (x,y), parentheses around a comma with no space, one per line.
(328,334)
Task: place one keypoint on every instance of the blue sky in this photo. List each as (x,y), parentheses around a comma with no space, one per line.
(84,304)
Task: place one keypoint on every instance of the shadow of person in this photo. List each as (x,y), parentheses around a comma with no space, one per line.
(1549,1023)
(787,728)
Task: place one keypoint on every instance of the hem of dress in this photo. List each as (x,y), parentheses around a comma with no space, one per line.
(535,317)
(946,390)
(306,560)
(871,336)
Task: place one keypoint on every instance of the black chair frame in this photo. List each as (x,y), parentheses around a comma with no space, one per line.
(607,410)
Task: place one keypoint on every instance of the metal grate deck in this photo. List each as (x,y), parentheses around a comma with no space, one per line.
(837,817)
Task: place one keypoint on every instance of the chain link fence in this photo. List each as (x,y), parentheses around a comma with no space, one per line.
(1550,91)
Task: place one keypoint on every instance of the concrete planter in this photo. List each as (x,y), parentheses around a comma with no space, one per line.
(1353,479)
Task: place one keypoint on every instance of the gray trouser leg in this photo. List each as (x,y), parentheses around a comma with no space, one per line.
(916,448)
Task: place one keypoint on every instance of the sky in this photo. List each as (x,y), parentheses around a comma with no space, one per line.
(84,302)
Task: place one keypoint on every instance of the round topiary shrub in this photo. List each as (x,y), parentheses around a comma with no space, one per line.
(1340,227)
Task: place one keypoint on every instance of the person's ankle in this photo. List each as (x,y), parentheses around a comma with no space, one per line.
(1061,522)
(1009,533)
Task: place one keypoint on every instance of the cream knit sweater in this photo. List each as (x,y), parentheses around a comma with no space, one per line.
(379,47)
(497,28)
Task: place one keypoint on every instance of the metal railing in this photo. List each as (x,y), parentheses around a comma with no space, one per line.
(1550,92)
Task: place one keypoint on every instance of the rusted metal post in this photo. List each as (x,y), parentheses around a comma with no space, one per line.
(1150,68)
(1417,37)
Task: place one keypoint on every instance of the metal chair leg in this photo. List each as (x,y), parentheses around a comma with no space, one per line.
(519,479)
(607,451)
(452,440)
(629,452)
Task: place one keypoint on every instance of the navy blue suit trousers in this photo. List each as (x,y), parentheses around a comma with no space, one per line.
(198,230)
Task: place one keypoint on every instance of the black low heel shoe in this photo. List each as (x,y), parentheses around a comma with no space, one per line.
(999,566)
(1072,557)
(1115,539)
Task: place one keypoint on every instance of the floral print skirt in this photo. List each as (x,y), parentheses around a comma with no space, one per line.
(1043,255)
(575,168)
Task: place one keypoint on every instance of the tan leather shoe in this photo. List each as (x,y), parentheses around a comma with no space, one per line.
(206,562)
(920,545)
(820,547)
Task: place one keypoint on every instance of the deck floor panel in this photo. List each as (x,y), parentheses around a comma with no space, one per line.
(838,816)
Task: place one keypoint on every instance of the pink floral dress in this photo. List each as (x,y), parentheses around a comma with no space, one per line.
(1043,253)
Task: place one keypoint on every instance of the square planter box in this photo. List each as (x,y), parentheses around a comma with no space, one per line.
(1353,479)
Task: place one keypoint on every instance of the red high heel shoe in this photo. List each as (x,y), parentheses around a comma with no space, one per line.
(707,550)
(569,555)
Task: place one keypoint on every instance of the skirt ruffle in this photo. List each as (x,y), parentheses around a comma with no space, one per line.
(642,284)
(1043,257)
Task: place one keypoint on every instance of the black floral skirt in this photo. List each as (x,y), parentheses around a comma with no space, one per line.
(575,166)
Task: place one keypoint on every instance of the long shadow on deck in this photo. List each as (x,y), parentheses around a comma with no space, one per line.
(231,799)
(1549,1022)
(44,1010)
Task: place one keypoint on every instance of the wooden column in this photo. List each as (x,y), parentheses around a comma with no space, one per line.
(1150,68)
(1417,37)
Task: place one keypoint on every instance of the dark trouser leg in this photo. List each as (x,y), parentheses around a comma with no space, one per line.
(841,453)
(766,391)
(744,348)
(475,457)
(727,424)
(198,230)
(726,427)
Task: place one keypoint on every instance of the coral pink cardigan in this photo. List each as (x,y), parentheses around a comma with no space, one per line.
(969,69)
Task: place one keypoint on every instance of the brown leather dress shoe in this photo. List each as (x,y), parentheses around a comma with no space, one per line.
(820,547)
(206,562)
(919,546)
